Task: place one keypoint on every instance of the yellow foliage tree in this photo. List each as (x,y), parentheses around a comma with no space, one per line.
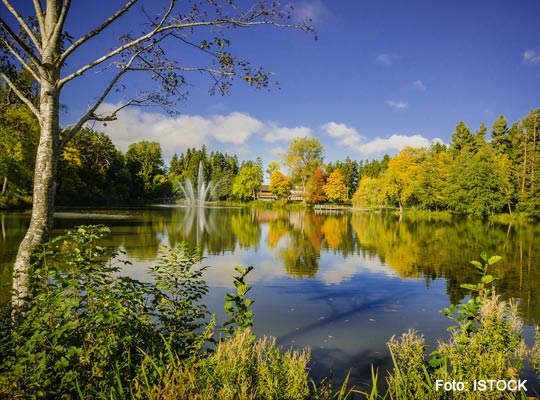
(335,188)
(400,182)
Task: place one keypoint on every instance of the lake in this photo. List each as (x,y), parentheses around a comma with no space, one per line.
(342,284)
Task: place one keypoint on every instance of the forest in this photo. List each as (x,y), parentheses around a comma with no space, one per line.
(480,172)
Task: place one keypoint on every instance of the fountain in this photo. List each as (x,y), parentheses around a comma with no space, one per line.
(196,217)
(204,190)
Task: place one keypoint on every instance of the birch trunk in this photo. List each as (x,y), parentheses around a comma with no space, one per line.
(46,158)
(43,196)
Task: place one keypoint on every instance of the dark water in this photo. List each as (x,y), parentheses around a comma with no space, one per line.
(342,284)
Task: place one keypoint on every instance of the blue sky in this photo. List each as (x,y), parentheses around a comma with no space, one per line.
(382,75)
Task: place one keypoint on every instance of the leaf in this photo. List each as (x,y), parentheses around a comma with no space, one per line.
(477,264)
(493,259)
(488,279)
(483,256)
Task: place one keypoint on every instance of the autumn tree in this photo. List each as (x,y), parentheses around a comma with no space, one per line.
(280,185)
(335,189)
(315,187)
(369,193)
(400,180)
(38,42)
(303,157)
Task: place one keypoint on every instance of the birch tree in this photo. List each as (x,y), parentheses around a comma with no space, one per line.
(35,38)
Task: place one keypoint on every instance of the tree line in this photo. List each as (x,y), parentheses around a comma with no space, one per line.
(478,173)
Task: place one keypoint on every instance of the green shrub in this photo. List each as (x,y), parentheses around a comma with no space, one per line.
(87,329)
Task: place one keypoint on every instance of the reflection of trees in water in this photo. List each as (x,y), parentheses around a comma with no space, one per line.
(419,248)
(13,226)
(413,248)
(142,235)
(246,228)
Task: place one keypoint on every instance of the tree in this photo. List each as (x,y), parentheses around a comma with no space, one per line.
(368,194)
(303,157)
(400,181)
(272,167)
(461,138)
(18,141)
(144,162)
(280,185)
(40,45)
(335,189)
(315,187)
(248,182)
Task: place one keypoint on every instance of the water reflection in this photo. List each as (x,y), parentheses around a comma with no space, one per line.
(331,249)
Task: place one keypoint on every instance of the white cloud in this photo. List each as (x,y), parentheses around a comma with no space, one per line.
(345,135)
(398,105)
(393,144)
(275,133)
(386,58)
(313,10)
(176,134)
(531,57)
(350,138)
(419,85)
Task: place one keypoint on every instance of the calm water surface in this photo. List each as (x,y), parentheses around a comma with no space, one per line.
(342,284)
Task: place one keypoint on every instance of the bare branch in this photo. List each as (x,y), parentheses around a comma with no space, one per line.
(27,50)
(39,15)
(90,114)
(96,31)
(20,95)
(23,24)
(159,29)
(20,59)
(57,31)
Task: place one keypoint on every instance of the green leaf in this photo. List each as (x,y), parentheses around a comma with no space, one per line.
(492,260)
(483,256)
(488,279)
(477,264)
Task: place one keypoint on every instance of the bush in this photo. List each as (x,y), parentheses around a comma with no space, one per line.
(87,329)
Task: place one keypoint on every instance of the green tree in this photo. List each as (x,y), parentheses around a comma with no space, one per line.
(247,183)
(303,157)
(461,138)
(37,41)
(144,162)
(19,131)
(335,189)
(92,171)
(475,181)
(280,185)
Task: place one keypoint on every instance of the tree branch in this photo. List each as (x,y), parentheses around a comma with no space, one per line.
(21,95)
(23,24)
(27,50)
(57,31)
(20,59)
(39,15)
(96,31)
(159,29)
(90,114)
